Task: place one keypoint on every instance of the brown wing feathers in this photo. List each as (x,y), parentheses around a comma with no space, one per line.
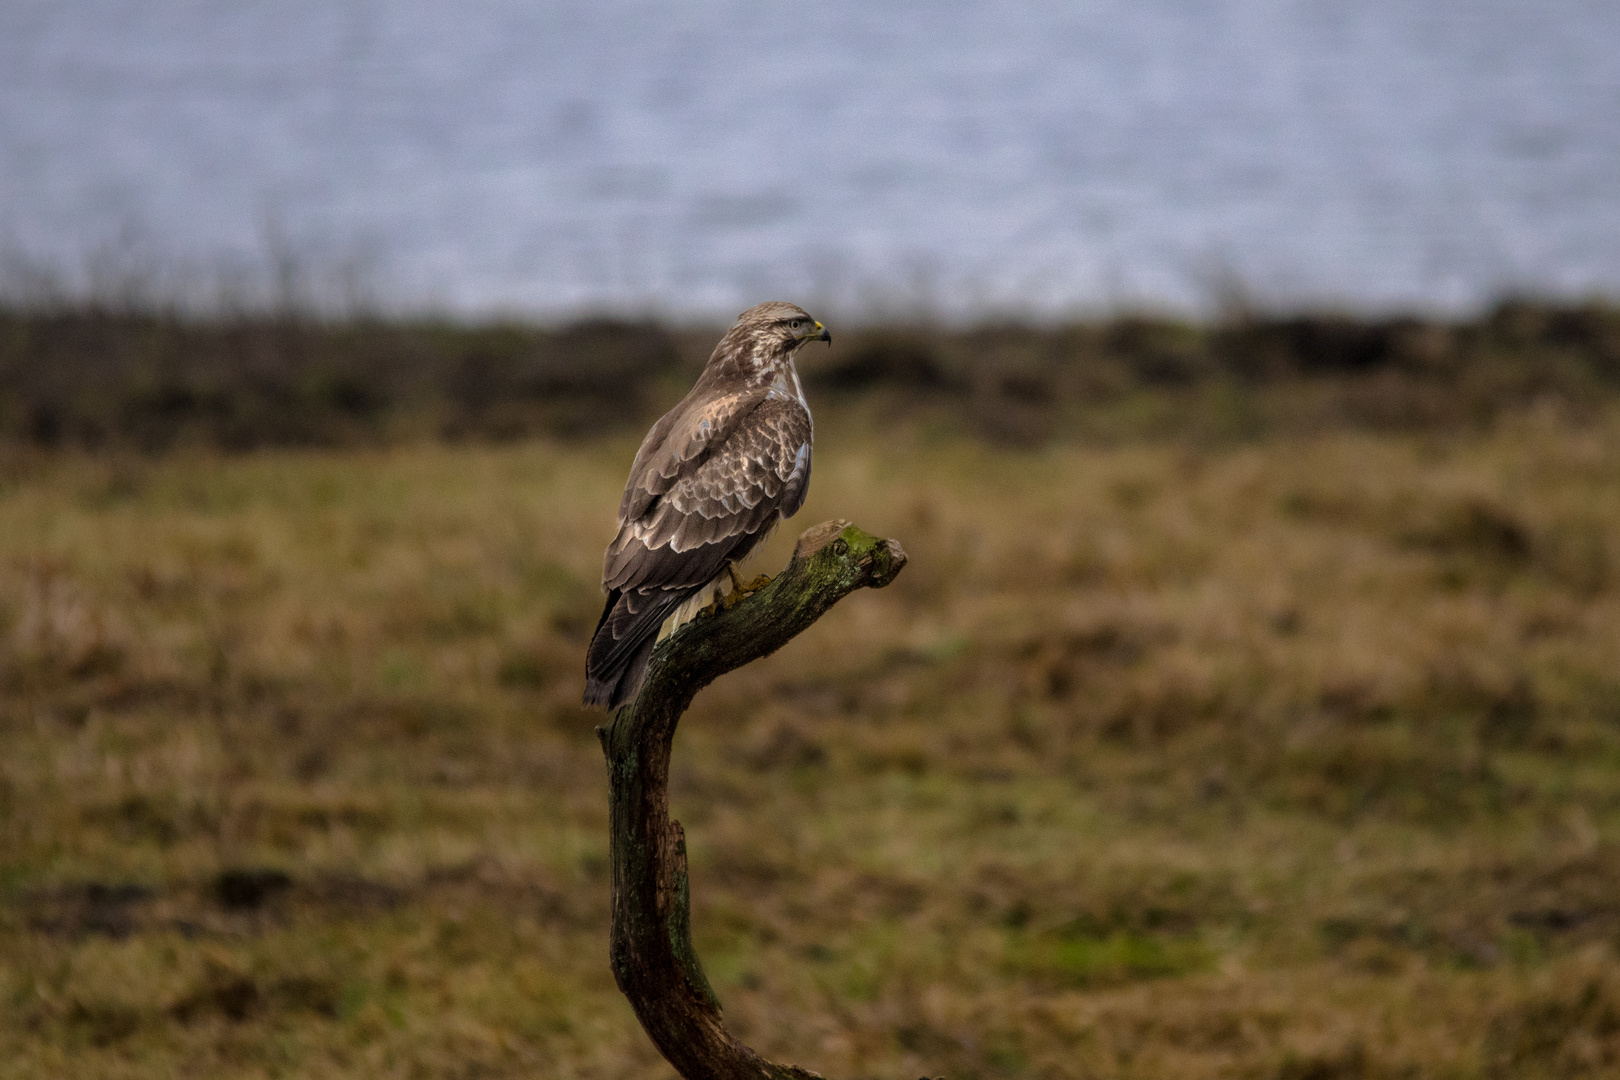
(705,488)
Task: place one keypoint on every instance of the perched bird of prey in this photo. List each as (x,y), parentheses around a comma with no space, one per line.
(711,480)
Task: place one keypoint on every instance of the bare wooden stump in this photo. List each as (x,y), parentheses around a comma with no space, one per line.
(653,960)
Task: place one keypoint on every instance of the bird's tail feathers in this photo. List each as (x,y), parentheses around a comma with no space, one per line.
(623,643)
(611,690)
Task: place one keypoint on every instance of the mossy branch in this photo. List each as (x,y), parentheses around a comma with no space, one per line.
(652,955)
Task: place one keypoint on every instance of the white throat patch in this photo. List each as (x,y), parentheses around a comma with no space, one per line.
(786,386)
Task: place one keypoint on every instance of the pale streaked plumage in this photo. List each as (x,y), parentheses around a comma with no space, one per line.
(711,480)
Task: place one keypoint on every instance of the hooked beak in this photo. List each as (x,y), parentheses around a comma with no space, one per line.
(821,334)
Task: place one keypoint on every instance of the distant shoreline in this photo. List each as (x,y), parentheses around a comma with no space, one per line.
(94,377)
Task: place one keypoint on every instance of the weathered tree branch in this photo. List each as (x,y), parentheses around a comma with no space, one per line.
(653,960)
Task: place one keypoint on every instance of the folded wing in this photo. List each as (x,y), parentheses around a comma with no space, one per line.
(704,490)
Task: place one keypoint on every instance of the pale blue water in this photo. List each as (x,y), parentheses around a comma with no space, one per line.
(693,158)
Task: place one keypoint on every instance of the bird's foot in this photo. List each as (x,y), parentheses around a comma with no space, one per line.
(744,591)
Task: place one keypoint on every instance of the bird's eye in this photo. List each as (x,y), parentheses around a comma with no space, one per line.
(795,323)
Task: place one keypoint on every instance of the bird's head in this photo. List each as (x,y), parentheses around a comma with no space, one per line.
(777,328)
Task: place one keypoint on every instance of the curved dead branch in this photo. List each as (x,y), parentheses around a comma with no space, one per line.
(652,955)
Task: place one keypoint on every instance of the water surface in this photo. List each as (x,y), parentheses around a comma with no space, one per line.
(690,158)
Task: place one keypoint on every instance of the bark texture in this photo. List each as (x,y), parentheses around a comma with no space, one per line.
(653,960)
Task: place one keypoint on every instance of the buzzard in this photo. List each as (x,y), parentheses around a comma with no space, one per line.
(711,480)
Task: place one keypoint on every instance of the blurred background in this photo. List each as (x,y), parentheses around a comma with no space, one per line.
(1242,378)
(975,159)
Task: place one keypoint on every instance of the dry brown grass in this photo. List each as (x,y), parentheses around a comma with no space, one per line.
(1295,760)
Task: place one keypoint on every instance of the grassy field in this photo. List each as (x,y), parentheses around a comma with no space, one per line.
(1294,758)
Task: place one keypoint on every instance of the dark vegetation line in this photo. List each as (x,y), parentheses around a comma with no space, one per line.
(96,378)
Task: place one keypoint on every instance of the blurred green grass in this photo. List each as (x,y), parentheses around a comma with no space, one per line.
(1290,756)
